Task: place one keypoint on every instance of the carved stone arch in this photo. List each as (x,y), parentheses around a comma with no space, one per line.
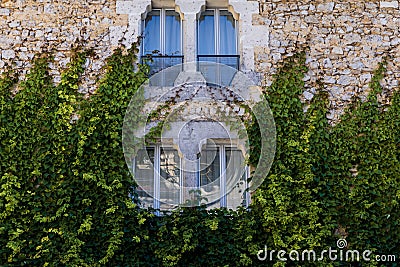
(146,11)
(220,4)
(170,4)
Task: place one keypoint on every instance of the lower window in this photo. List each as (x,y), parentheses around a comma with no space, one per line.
(220,179)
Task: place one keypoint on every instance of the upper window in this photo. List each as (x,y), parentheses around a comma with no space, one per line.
(216,33)
(217,37)
(217,42)
(162,39)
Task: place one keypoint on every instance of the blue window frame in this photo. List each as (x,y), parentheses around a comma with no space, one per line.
(217,42)
(217,33)
(162,39)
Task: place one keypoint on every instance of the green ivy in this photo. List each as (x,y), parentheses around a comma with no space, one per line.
(66,194)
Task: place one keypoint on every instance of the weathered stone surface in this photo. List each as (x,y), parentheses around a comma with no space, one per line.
(6,42)
(116,34)
(365,78)
(351,38)
(307,95)
(327,63)
(337,50)
(392,4)
(329,79)
(28,27)
(326,7)
(7,54)
(14,24)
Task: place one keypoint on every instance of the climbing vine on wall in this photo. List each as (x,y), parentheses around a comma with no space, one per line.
(65,190)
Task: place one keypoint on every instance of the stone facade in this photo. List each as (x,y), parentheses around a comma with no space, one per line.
(28,27)
(346,39)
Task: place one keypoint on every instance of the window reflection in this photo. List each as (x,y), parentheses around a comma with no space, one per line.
(222,173)
(170,177)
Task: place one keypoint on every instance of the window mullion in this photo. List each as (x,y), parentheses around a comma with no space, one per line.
(198,176)
(222,165)
(162,39)
(236,37)
(157,174)
(247,193)
(181,35)
(216,31)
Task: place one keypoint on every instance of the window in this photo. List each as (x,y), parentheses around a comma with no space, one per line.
(217,42)
(162,39)
(221,176)
(216,33)
(151,164)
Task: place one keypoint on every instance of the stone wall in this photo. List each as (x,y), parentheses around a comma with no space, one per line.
(346,39)
(30,26)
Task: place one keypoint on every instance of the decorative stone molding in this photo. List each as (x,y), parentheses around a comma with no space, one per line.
(133,9)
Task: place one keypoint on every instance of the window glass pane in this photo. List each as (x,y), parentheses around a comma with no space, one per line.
(152,33)
(227,33)
(170,177)
(144,175)
(209,165)
(210,175)
(172,33)
(227,45)
(206,34)
(236,178)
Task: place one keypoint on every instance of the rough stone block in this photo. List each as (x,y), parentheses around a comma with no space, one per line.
(337,50)
(392,4)
(365,78)
(345,80)
(307,95)
(357,65)
(327,63)
(5,42)
(329,79)
(39,33)
(4,12)
(14,24)
(351,38)
(326,7)
(49,9)
(8,54)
